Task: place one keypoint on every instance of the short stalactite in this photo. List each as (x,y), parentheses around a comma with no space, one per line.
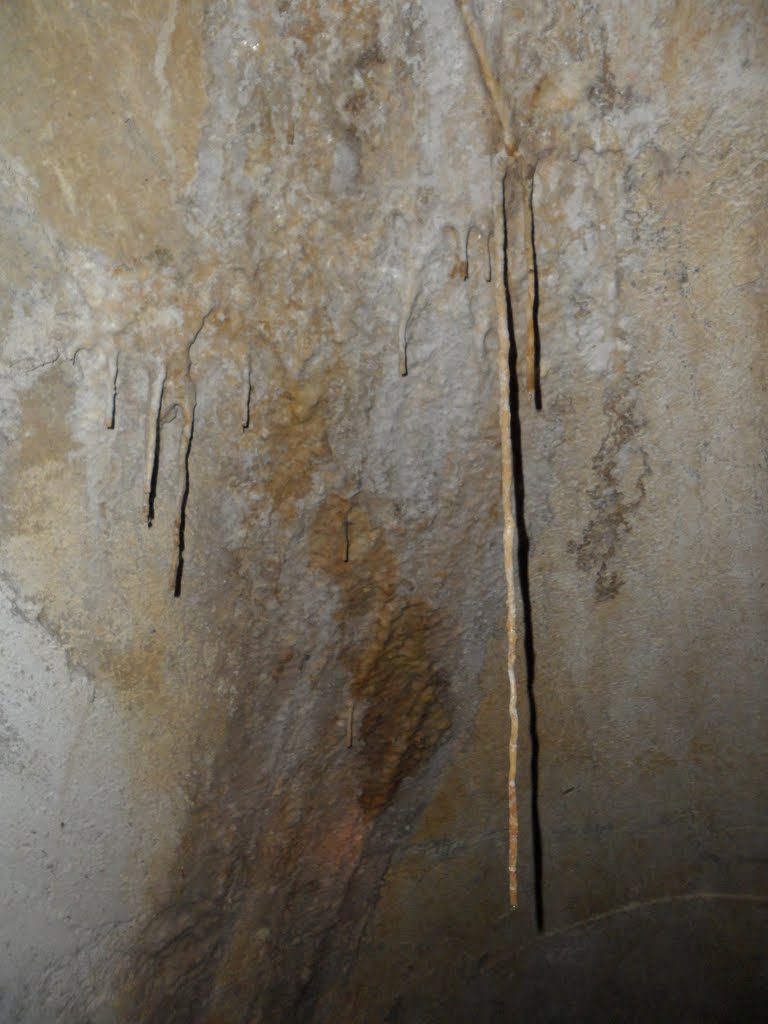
(188,407)
(180,521)
(350,724)
(113,369)
(346,537)
(152,452)
(478,249)
(405,322)
(247,391)
(532,384)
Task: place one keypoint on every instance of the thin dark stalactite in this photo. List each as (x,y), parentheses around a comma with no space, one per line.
(537,400)
(182,524)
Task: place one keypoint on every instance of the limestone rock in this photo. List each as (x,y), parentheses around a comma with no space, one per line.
(252,708)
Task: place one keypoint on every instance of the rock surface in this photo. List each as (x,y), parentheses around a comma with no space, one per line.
(253,699)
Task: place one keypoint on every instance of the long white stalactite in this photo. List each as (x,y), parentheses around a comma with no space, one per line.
(507,502)
(502,166)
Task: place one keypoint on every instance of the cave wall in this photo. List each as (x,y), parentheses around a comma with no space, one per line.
(253,697)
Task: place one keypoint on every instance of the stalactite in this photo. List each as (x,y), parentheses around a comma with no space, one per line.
(182,494)
(350,723)
(188,407)
(507,484)
(472,229)
(346,536)
(500,273)
(247,389)
(405,322)
(152,452)
(113,368)
(401,231)
(482,241)
(531,354)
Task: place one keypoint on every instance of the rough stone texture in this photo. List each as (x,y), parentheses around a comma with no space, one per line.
(279,794)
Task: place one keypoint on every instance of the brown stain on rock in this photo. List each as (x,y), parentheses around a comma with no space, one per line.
(220,922)
(296,411)
(395,676)
(406,708)
(451,860)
